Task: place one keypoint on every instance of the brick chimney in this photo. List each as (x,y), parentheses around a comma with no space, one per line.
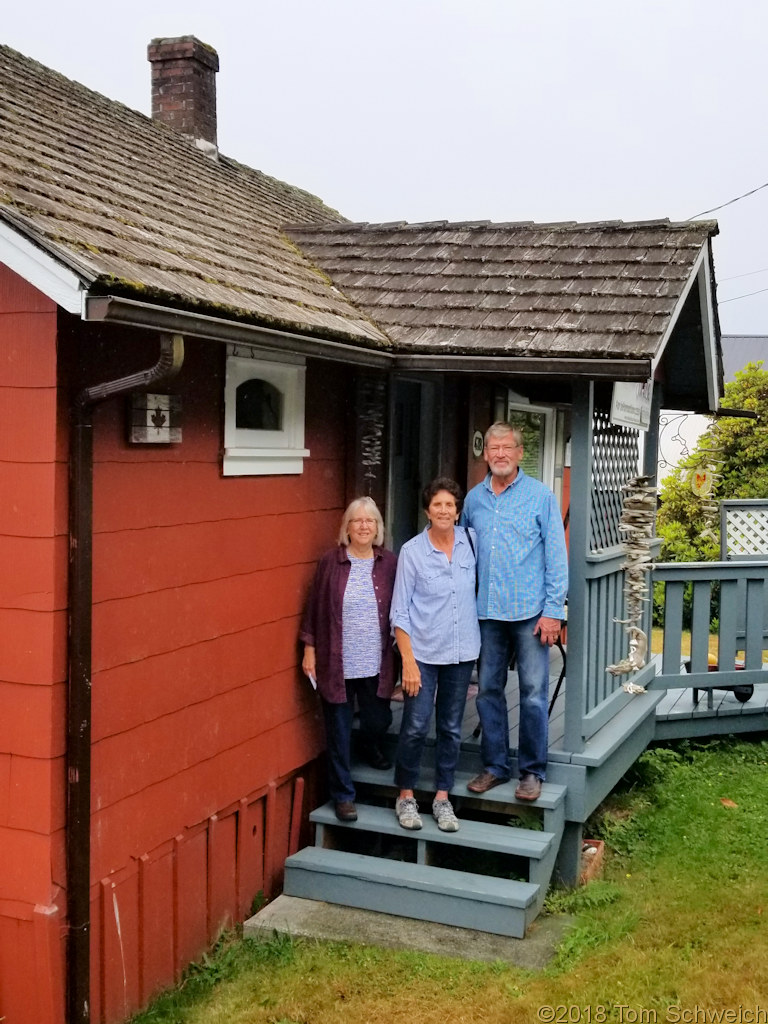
(184,87)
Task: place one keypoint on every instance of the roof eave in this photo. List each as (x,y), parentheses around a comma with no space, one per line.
(116,309)
(531,366)
(43,268)
(131,312)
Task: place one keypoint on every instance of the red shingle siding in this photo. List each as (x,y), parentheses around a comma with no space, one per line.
(32,655)
(199,710)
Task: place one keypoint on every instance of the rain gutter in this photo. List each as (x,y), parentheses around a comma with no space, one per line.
(78,836)
(132,312)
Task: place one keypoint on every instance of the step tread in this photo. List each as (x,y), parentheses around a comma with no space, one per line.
(552,796)
(480,835)
(401,874)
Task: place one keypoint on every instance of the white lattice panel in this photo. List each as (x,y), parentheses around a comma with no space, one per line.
(746,532)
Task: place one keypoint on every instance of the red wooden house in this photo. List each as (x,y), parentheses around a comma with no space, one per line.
(189,395)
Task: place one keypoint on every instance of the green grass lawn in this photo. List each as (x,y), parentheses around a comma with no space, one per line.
(676,926)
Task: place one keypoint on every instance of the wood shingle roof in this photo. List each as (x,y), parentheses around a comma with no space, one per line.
(138,212)
(583,290)
(134,208)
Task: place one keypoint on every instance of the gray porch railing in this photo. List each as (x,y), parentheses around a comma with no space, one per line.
(605,642)
(605,457)
(742,612)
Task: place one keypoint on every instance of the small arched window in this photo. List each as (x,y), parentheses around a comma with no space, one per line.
(263,413)
(258,406)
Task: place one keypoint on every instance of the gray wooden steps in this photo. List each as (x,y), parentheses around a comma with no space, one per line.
(459,898)
(501,799)
(478,835)
(490,875)
(551,795)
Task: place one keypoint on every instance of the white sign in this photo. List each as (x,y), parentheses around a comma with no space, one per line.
(631,405)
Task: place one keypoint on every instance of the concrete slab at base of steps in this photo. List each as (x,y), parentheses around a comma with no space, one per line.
(313,919)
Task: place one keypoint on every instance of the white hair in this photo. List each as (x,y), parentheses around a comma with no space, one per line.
(369,506)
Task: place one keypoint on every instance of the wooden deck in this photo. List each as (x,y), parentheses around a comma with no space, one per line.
(677,716)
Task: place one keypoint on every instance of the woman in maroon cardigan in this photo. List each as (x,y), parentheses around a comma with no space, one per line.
(348,647)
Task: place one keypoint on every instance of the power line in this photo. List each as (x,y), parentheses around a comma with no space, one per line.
(721,302)
(750,273)
(722,206)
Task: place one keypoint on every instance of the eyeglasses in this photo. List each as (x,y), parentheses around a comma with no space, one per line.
(362,522)
(502,449)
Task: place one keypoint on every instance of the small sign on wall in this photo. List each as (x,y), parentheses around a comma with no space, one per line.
(631,405)
(155,419)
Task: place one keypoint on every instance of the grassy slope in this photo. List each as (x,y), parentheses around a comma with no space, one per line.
(677,921)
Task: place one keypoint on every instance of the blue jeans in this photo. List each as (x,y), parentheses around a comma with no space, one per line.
(500,640)
(375,719)
(450,683)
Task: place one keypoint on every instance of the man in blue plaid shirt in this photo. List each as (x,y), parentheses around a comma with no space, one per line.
(522,586)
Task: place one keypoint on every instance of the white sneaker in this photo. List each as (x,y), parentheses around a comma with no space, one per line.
(407,811)
(444,815)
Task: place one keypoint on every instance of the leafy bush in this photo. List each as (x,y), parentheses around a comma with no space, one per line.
(681,522)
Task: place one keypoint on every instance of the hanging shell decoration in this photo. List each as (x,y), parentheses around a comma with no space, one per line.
(636,524)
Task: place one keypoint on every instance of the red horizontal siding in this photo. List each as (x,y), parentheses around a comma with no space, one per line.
(139,627)
(144,560)
(34,499)
(17,295)
(34,575)
(163,684)
(160,911)
(199,583)
(5,787)
(28,424)
(197,734)
(32,966)
(27,352)
(143,820)
(36,798)
(32,722)
(132,496)
(33,646)
(26,874)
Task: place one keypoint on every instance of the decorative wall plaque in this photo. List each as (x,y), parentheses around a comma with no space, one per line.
(155,419)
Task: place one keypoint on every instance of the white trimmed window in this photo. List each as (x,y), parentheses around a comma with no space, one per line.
(263,413)
(537,424)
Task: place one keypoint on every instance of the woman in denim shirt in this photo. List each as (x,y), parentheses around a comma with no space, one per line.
(434,617)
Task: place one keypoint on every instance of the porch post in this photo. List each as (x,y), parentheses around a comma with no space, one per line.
(651,446)
(581,502)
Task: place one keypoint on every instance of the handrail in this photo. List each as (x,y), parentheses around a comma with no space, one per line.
(708,570)
(742,614)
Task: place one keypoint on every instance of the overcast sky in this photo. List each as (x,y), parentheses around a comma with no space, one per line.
(505,110)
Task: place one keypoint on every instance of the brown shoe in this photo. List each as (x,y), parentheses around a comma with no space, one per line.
(346,811)
(484,781)
(529,787)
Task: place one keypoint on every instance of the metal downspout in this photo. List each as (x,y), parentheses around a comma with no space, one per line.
(78,836)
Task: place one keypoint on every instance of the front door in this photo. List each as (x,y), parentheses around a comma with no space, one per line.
(415,454)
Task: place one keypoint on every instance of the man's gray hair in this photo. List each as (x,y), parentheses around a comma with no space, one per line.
(501,427)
